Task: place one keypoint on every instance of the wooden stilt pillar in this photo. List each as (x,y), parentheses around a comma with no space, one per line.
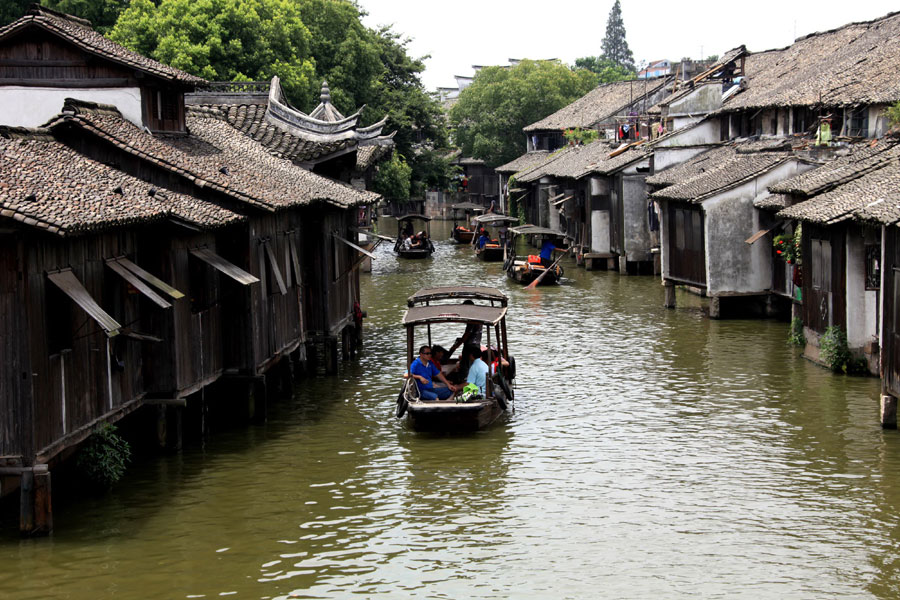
(345,343)
(715,307)
(669,301)
(888,412)
(162,426)
(35,507)
(312,358)
(285,378)
(623,265)
(331,356)
(258,399)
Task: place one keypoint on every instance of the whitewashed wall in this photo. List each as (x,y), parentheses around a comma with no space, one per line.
(34,106)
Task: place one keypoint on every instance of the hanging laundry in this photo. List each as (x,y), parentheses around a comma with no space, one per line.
(823,134)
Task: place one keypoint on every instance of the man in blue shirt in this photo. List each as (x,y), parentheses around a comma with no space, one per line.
(424,371)
(547,250)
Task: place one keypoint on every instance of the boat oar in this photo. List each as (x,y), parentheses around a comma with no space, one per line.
(537,279)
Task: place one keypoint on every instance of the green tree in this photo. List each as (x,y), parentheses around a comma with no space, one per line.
(101,13)
(10,10)
(614,46)
(488,118)
(224,40)
(393,178)
(893,113)
(607,71)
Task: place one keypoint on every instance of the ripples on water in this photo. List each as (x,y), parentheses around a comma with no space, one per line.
(652,453)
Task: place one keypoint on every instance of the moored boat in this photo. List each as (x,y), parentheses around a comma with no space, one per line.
(494,249)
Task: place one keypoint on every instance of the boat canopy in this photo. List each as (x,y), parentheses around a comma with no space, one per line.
(413,216)
(534,229)
(467,206)
(473,292)
(454,313)
(494,219)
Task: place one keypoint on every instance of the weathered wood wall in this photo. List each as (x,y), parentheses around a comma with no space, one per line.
(824,277)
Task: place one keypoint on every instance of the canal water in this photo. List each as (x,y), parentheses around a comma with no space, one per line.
(652,453)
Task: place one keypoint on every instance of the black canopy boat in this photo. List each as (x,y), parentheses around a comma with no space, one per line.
(411,244)
(493,250)
(526,269)
(461,233)
(435,306)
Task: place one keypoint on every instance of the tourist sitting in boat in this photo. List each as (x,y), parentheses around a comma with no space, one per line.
(548,248)
(437,356)
(424,371)
(407,230)
(478,370)
(483,239)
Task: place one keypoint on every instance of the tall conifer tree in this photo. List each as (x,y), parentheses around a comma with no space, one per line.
(615,47)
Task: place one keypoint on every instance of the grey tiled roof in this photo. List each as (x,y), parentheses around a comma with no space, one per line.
(529,159)
(540,169)
(597,105)
(774,202)
(250,119)
(870,197)
(79,32)
(47,185)
(722,175)
(860,159)
(703,162)
(853,65)
(216,155)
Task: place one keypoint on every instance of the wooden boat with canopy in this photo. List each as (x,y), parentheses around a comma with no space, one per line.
(462,233)
(414,245)
(494,249)
(526,269)
(428,311)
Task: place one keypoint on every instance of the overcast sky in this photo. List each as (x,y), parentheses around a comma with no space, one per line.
(463,33)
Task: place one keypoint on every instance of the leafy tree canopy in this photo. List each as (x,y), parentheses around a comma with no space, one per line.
(606,70)
(489,116)
(393,178)
(614,46)
(224,39)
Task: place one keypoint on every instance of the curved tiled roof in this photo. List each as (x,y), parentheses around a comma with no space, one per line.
(722,175)
(694,167)
(250,119)
(871,197)
(47,185)
(79,32)
(855,64)
(861,158)
(529,159)
(215,155)
(596,106)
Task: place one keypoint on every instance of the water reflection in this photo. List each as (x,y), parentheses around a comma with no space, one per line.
(652,453)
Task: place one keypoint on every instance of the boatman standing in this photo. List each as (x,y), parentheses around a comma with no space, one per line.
(424,371)
(547,250)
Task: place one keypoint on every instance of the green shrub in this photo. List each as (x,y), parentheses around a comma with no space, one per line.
(796,337)
(103,456)
(834,351)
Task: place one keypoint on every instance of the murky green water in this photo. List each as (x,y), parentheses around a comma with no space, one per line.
(653,453)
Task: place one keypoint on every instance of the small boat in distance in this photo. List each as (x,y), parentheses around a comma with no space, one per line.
(431,307)
(494,249)
(461,233)
(412,244)
(526,269)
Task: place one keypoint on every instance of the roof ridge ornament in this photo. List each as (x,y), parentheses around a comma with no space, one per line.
(325,96)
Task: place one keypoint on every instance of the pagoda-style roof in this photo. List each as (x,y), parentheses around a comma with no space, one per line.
(261,111)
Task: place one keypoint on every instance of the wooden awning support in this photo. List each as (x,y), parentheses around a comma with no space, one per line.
(556,197)
(558,202)
(273,264)
(150,278)
(66,281)
(759,234)
(222,265)
(352,245)
(137,283)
